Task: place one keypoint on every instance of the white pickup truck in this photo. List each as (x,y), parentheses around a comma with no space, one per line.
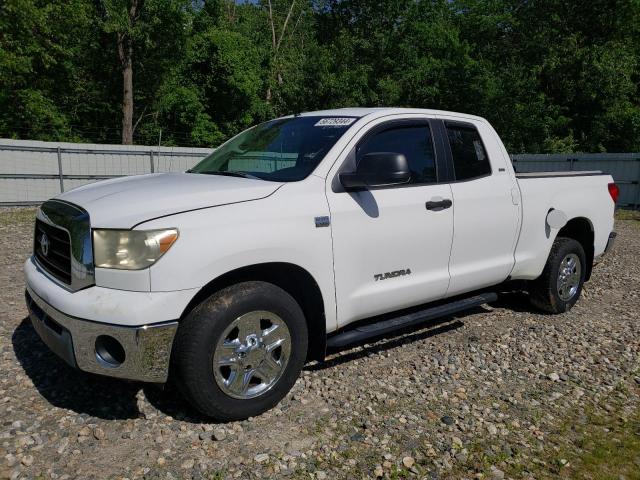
(307,232)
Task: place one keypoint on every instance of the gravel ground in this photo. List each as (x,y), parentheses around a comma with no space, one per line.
(488,393)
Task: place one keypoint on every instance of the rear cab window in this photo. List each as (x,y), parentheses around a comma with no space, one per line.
(468,153)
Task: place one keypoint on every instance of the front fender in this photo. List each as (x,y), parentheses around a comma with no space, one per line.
(278,229)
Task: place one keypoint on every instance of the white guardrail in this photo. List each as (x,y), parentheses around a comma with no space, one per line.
(32,171)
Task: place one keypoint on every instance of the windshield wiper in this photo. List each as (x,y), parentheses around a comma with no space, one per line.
(229,173)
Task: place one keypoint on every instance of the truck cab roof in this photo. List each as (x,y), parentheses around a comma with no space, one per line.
(382,111)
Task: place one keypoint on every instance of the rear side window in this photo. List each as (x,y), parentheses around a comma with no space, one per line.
(469,156)
(413,141)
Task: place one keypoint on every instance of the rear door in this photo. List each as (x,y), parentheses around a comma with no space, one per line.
(390,251)
(486,214)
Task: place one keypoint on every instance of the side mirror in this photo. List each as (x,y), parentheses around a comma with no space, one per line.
(377,170)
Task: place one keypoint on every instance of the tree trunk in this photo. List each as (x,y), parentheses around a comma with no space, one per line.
(275,45)
(125,51)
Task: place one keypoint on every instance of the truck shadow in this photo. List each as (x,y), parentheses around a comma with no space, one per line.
(112,399)
(516,301)
(66,387)
(93,395)
(372,346)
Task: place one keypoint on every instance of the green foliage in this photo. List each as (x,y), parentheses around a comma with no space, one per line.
(39,45)
(552,75)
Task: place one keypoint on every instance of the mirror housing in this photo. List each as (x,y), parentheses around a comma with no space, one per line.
(377,169)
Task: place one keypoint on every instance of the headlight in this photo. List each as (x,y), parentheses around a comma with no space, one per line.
(131,249)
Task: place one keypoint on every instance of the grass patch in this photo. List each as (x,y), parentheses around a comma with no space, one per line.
(610,449)
(624,214)
(217,475)
(595,444)
(591,443)
(17,216)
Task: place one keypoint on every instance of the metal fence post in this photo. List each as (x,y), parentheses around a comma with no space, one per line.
(637,205)
(21,192)
(60,174)
(151,161)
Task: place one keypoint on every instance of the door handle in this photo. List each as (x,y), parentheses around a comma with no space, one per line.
(437,205)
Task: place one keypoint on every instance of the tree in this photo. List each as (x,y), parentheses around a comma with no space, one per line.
(142,28)
(120,18)
(43,49)
(551,75)
(277,35)
(569,70)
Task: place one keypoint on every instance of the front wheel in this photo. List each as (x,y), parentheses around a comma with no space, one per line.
(560,285)
(240,351)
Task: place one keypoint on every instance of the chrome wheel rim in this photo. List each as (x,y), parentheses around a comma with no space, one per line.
(569,277)
(252,354)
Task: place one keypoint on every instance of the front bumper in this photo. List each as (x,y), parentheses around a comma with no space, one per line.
(147,348)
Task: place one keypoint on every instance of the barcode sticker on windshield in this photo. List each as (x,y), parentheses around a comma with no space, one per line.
(335,122)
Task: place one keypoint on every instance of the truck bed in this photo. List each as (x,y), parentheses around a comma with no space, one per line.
(558,174)
(582,195)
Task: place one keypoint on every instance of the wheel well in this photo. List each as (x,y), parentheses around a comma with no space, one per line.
(294,280)
(580,229)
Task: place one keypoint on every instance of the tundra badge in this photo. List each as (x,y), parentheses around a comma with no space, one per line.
(397,273)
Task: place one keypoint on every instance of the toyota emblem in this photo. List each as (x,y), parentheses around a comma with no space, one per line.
(44,244)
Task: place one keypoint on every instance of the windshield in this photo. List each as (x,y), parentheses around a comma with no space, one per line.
(284,150)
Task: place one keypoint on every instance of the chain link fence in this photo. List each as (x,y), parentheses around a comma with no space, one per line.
(31,172)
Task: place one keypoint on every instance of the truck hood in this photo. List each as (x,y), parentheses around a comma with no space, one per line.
(128,201)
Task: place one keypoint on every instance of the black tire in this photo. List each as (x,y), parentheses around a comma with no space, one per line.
(544,290)
(199,334)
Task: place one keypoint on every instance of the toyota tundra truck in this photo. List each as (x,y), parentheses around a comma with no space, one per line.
(302,234)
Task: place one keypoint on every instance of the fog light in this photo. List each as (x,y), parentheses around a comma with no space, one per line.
(109,351)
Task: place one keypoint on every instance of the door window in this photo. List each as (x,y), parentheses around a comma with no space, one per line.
(413,141)
(469,156)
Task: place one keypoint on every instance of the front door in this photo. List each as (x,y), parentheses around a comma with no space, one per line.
(390,250)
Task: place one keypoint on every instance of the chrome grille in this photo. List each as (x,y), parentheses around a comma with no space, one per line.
(52,248)
(66,253)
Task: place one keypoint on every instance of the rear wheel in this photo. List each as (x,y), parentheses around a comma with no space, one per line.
(240,351)
(560,285)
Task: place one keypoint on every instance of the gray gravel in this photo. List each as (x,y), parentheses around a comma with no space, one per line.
(470,396)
